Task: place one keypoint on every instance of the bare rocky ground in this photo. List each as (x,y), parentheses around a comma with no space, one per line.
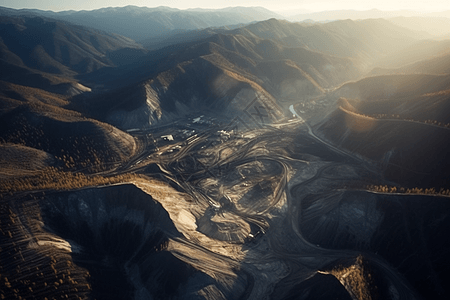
(183,175)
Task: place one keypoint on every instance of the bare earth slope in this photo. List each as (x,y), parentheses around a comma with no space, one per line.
(400,121)
(189,172)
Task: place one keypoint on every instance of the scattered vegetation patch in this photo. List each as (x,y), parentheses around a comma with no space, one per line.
(402,190)
(52,178)
(356,279)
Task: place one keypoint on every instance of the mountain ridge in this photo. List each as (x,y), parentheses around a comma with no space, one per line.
(250,161)
(152,22)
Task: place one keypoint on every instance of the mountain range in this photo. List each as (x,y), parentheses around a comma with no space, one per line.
(351,14)
(219,154)
(151,22)
(271,59)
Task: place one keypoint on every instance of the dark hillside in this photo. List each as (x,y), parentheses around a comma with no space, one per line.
(22,75)
(18,160)
(36,119)
(431,108)
(55,47)
(412,154)
(422,98)
(393,86)
(400,121)
(14,95)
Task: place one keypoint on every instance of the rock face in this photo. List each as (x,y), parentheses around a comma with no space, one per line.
(188,88)
(391,223)
(215,191)
(116,238)
(125,231)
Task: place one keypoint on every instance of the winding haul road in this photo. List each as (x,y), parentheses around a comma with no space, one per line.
(279,240)
(283,242)
(265,170)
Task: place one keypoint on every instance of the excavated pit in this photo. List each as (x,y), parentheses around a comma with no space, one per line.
(120,234)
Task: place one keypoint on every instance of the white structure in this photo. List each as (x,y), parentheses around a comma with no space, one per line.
(168,137)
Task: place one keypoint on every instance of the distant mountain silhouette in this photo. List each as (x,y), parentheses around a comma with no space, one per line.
(441,14)
(434,65)
(434,25)
(274,61)
(351,14)
(366,39)
(55,47)
(275,39)
(419,51)
(151,22)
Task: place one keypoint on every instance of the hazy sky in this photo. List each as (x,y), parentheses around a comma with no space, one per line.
(276,5)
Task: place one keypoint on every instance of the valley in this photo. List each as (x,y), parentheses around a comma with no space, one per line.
(267,160)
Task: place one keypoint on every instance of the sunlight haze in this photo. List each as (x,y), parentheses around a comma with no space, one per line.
(320,5)
(220,150)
